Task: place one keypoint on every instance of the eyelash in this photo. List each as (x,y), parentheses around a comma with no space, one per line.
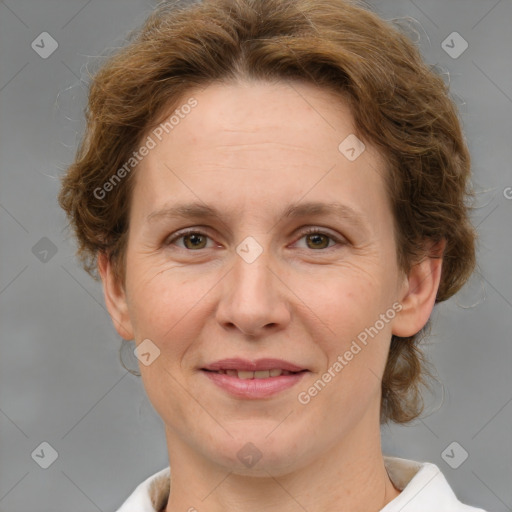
(308,231)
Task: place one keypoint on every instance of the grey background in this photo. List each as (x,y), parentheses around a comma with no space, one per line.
(61,381)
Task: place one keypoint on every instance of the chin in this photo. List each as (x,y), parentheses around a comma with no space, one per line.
(256,453)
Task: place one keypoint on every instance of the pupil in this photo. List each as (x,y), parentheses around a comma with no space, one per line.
(194,239)
(315,238)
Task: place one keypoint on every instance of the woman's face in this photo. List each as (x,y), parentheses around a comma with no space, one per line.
(249,283)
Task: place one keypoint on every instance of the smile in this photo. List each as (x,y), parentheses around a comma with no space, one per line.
(253,385)
(261,374)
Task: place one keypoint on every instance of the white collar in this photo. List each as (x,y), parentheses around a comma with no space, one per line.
(423,489)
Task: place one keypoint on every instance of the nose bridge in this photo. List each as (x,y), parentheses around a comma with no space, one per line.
(252,297)
(251,271)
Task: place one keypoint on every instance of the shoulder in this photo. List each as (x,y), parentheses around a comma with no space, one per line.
(422,484)
(423,488)
(151,495)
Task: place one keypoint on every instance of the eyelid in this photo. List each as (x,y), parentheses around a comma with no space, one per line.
(173,237)
(311,230)
(300,233)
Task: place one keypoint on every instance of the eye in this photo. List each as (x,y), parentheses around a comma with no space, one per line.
(192,239)
(318,239)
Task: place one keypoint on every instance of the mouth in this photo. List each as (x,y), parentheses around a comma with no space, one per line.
(260,374)
(259,379)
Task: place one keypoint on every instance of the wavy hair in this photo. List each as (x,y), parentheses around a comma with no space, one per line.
(399,104)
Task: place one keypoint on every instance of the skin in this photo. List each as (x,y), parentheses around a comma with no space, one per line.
(250,149)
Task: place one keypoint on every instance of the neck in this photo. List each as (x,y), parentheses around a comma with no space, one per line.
(349,477)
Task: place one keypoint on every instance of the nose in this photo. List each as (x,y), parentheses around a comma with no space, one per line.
(254,298)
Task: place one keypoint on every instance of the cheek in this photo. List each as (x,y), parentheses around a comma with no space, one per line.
(350,299)
(355,348)
(163,301)
(356,340)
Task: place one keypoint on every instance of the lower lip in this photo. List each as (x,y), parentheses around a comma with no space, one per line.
(254,388)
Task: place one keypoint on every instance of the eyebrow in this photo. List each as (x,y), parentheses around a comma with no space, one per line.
(202,211)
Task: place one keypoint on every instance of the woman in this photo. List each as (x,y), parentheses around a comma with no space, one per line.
(273,193)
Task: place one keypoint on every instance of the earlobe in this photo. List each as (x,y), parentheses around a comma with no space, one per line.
(418,295)
(115,298)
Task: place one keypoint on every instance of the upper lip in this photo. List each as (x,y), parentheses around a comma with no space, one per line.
(253,366)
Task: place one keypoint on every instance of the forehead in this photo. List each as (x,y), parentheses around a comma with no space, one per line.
(257,110)
(256,143)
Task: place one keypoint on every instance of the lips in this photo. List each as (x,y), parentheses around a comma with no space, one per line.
(244,366)
(254,379)
(260,374)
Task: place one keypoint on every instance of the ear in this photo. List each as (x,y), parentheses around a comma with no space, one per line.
(418,293)
(115,298)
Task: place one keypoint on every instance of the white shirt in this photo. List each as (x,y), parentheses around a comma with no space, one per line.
(423,489)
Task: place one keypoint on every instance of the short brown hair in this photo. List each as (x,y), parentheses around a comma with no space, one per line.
(399,104)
